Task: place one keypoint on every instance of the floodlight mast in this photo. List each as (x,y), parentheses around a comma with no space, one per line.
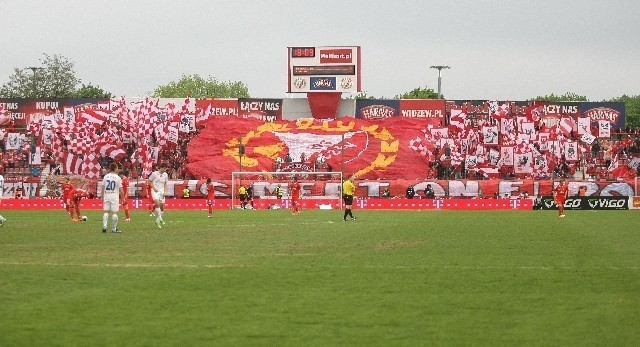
(439,68)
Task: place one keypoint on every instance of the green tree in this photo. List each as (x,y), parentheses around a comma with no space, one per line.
(56,78)
(568,96)
(90,91)
(361,95)
(198,87)
(419,93)
(632,107)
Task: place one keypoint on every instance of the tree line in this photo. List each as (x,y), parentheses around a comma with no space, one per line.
(56,78)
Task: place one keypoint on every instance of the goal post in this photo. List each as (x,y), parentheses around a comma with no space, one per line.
(318,188)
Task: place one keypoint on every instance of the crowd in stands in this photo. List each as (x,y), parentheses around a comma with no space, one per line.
(598,163)
(622,148)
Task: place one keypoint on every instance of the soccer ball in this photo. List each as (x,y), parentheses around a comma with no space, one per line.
(84,218)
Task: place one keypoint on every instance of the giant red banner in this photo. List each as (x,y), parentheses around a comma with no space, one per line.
(369,149)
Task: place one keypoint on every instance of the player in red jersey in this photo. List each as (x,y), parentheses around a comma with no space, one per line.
(152,205)
(125,188)
(294,192)
(67,189)
(76,196)
(210,196)
(559,196)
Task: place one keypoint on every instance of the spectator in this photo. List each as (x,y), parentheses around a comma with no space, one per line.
(410,192)
(429,193)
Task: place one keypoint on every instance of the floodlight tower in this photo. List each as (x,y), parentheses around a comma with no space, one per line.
(440,67)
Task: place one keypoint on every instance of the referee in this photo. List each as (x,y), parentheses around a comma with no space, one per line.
(348,190)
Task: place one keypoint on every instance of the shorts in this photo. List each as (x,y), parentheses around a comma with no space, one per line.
(210,202)
(559,202)
(294,202)
(111,204)
(157,196)
(348,199)
(243,197)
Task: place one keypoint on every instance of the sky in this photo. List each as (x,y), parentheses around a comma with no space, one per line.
(497,50)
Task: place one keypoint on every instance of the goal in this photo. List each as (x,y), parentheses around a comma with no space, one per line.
(320,190)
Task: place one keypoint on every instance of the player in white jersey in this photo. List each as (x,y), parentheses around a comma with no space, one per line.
(111,193)
(159,181)
(2,219)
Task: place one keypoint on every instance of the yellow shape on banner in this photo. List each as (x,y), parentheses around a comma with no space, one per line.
(246,161)
(269,127)
(385,135)
(371,129)
(248,136)
(389,147)
(342,127)
(270,151)
(304,123)
(381,162)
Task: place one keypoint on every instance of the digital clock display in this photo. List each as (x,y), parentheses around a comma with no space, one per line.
(303,52)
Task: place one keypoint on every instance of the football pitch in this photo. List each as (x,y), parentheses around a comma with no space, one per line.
(246,278)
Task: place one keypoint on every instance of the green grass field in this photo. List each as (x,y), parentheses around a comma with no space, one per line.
(268,278)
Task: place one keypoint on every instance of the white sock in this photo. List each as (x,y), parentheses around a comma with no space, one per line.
(158,214)
(2,219)
(105,218)
(114,220)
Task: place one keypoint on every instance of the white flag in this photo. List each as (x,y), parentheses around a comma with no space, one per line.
(188,123)
(36,157)
(587,138)
(604,128)
(506,155)
(571,151)
(14,141)
(584,125)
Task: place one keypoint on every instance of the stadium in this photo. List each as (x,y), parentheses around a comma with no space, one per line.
(474,222)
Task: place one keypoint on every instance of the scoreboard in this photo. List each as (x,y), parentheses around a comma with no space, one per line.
(324,68)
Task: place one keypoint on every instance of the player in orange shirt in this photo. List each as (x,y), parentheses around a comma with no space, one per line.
(294,192)
(125,188)
(559,196)
(210,196)
(67,189)
(76,196)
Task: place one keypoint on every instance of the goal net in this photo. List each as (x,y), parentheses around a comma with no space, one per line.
(319,190)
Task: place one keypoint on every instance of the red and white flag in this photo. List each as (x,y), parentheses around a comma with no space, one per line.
(567,125)
(94,116)
(439,133)
(458,119)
